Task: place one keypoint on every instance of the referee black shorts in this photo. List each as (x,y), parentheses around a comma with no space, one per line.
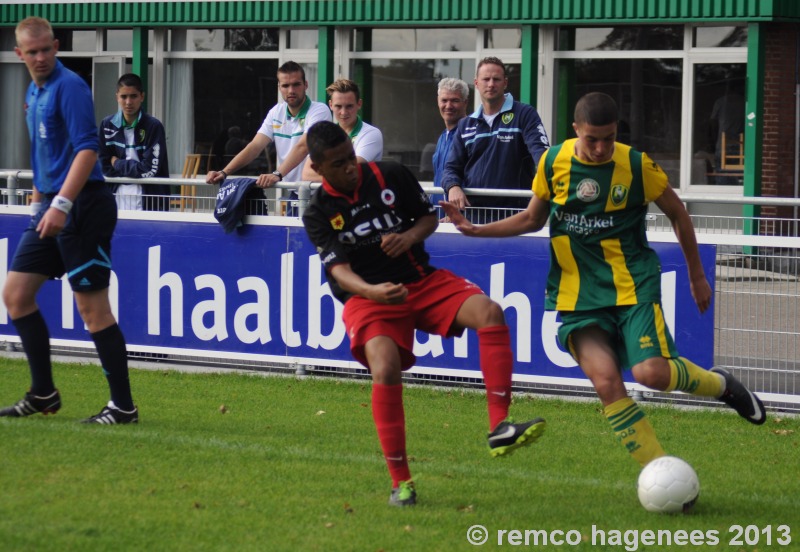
(82,249)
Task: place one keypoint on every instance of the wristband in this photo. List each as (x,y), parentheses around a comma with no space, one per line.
(224,175)
(62,204)
(35,206)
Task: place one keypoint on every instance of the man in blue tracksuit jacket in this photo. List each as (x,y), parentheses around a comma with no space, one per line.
(134,144)
(498,146)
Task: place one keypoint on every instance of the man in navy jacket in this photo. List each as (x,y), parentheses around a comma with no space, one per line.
(497,146)
(133,144)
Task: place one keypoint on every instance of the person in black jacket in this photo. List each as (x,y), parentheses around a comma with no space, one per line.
(133,144)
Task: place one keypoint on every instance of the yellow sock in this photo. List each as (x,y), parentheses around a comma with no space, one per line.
(687,376)
(633,430)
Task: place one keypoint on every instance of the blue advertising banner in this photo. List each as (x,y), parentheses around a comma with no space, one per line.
(188,286)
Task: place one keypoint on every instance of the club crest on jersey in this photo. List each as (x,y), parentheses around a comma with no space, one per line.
(507,117)
(588,190)
(619,193)
(337,222)
(387,196)
(141,135)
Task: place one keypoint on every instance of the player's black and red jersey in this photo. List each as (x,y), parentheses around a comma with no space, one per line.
(348,229)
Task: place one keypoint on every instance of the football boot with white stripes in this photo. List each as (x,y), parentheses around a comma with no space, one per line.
(112,415)
(741,399)
(32,404)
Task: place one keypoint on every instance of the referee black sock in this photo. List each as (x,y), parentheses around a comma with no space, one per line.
(35,337)
(113,355)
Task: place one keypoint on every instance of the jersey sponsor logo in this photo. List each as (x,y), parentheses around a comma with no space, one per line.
(387,221)
(588,190)
(645,342)
(507,117)
(337,222)
(619,192)
(583,225)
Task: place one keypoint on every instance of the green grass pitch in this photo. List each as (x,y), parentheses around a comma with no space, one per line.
(240,462)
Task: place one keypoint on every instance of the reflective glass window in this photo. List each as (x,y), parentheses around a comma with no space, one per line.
(719,115)
(502,38)
(720,37)
(648,93)
(655,37)
(407,111)
(415,40)
(221,40)
(70,40)
(118,40)
(305,39)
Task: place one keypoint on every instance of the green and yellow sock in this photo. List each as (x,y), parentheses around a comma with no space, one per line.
(633,430)
(687,376)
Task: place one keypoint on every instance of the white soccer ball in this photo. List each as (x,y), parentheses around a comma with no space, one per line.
(668,485)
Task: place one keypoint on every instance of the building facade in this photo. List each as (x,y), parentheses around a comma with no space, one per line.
(685,74)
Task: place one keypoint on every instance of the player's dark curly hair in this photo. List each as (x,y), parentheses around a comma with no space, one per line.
(323,136)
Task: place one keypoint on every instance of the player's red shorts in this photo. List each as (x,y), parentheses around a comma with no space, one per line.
(431,306)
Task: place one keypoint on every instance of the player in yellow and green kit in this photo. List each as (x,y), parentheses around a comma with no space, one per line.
(605,279)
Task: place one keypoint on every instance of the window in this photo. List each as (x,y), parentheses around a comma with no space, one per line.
(648,94)
(414,40)
(118,40)
(719,111)
(224,40)
(399,70)
(407,111)
(502,38)
(720,37)
(303,39)
(621,38)
(654,73)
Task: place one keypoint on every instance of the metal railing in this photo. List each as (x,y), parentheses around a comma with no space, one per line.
(757,291)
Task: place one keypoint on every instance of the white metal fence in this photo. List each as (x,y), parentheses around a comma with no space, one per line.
(757,295)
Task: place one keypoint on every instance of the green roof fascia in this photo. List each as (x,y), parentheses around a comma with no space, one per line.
(288,13)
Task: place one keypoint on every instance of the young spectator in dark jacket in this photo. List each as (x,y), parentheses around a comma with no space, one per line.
(133,144)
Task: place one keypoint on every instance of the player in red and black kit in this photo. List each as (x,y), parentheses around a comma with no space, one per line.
(369,223)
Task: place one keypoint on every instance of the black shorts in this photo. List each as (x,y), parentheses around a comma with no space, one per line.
(82,249)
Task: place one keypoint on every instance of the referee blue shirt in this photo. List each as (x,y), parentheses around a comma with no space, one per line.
(60,117)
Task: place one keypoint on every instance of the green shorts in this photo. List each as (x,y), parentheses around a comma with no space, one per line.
(638,332)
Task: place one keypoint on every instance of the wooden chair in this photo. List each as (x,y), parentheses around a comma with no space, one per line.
(191,166)
(732,160)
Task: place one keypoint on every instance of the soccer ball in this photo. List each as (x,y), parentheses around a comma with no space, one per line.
(668,485)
